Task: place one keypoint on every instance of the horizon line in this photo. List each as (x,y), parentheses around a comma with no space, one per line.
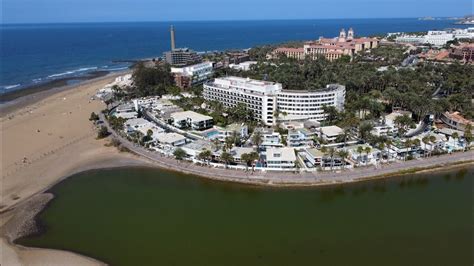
(220,20)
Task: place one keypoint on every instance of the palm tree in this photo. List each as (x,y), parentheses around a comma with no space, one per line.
(343,154)
(389,144)
(417,143)
(257,139)
(249,158)
(360,150)
(455,136)
(425,141)
(433,141)
(226,158)
(367,151)
(407,145)
(332,151)
(468,135)
(216,143)
(229,142)
(205,155)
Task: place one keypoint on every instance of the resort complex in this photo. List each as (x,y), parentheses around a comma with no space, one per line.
(330,48)
(219,152)
(238,122)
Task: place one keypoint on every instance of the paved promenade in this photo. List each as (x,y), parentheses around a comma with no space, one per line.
(292,178)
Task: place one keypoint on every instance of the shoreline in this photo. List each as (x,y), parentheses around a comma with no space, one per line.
(51,129)
(33,94)
(26,214)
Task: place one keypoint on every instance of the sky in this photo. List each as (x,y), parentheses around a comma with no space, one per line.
(57,11)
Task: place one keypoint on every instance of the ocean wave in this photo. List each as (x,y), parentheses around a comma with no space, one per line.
(72,72)
(116,69)
(9,87)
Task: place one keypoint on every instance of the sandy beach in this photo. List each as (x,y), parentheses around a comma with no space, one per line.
(46,140)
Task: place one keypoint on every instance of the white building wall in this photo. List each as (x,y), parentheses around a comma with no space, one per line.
(265,98)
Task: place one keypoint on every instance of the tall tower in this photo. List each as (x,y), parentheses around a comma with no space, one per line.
(342,35)
(350,34)
(172,38)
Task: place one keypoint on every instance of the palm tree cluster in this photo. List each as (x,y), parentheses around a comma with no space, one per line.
(410,88)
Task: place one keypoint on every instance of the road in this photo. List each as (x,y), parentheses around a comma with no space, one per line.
(290,178)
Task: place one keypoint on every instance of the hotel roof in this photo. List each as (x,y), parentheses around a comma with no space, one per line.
(170,138)
(315,153)
(331,131)
(190,115)
(281,154)
(456,116)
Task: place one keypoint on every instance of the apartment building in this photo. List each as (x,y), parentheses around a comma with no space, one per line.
(269,102)
(193,120)
(188,76)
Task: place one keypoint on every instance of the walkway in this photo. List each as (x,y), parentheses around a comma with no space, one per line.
(290,178)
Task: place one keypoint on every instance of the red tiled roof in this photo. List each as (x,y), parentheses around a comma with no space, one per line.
(289,49)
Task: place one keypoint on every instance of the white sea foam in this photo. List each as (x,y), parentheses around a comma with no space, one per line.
(116,69)
(72,72)
(8,87)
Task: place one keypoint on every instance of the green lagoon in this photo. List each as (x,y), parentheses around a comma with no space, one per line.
(141,216)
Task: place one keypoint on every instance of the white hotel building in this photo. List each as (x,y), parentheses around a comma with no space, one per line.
(266,99)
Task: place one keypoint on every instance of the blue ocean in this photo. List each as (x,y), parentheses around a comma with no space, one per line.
(36,53)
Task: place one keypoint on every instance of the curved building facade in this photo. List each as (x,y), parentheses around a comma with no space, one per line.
(266,99)
(301,105)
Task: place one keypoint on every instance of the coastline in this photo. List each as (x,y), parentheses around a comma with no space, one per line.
(51,129)
(50,137)
(23,219)
(10,102)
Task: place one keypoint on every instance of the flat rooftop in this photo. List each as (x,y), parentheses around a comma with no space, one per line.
(170,137)
(331,131)
(281,154)
(190,115)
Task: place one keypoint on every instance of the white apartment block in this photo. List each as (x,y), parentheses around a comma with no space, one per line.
(264,98)
(438,37)
(258,96)
(305,105)
(280,158)
(197,72)
(192,120)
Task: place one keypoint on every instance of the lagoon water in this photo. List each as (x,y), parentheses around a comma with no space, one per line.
(36,53)
(139,216)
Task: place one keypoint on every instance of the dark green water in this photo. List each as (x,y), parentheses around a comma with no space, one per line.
(151,217)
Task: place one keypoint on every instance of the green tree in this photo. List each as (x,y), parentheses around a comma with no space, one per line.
(426,141)
(367,150)
(408,143)
(205,156)
(433,141)
(343,155)
(216,143)
(227,158)
(257,139)
(455,136)
(103,132)
(93,117)
(403,122)
(249,158)
(151,80)
(364,130)
(179,154)
(360,150)
(468,135)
